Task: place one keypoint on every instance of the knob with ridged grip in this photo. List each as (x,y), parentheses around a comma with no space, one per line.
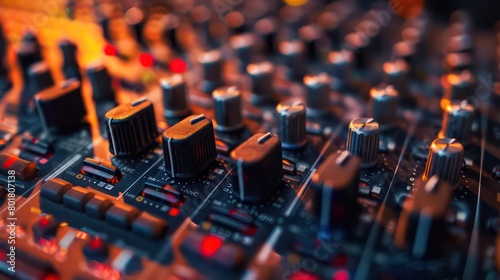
(292,124)
(189,146)
(131,127)
(363,140)
(335,187)
(101,82)
(445,160)
(228,109)
(259,155)
(317,94)
(211,63)
(175,99)
(384,105)
(457,122)
(261,82)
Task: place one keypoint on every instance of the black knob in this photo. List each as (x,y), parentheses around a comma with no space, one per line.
(339,65)
(211,63)
(228,115)
(131,127)
(260,154)
(318,94)
(311,35)
(70,67)
(267,29)
(335,185)
(175,99)
(243,45)
(170,31)
(27,54)
(261,82)
(445,160)
(189,147)
(398,75)
(363,139)
(292,124)
(101,82)
(39,77)
(293,53)
(384,105)
(61,108)
(457,122)
(459,86)
(421,224)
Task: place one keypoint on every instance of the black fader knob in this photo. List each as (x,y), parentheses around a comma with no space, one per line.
(363,139)
(61,108)
(70,67)
(228,115)
(39,77)
(384,105)
(318,94)
(335,186)
(189,146)
(421,224)
(27,54)
(211,63)
(445,160)
(292,124)
(175,99)
(260,154)
(131,127)
(457,122)
(101,82)
(261,82)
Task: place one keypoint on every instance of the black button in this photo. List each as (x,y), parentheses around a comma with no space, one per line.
(148,226)
(233,224)
(101,171)
(96,207)
(76,198)
(96,249)
(54,189)
(121,215)
(46,227)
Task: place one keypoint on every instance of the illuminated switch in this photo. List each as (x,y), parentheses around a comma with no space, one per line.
(101,171)
(23,169)
(46,227)
(96,249)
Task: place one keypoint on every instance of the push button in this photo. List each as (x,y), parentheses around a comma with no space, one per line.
(96,207)
(76,198)
(148,226)
(96,249)
(46,227)
(121,215)
(54,189)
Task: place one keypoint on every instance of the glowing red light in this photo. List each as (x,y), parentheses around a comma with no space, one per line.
(95,243)
(177,65)
(209,245)
(174,212)
(44,221)
(303,276)
(146,59)
(9,162)
(51,276)
(341,275)
(110,50)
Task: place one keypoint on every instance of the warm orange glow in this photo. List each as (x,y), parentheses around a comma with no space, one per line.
(406,8)
(295,3)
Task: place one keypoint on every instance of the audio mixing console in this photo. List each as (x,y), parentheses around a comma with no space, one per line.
(249,139)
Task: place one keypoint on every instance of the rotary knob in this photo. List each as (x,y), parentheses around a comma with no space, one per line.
(292,124)
(260,154)
(228,109)
(39,77)
(101,82)
(189,146)
(293,53)
(459,86)
(61,108)
(457,122)
(421,224)
(261,81)
(131,127)
(243,45)
(335,187)
(445,160)
(175,100)
(318,94)
(397,74)
(363,139)
(211,63)
(70,66)
(384,105)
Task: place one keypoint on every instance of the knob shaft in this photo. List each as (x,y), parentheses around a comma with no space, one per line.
(175,100)
(189,146)
(335,186)
(384,105)
(421,224)
(261,82)
(228,115)
(61,108)
(457,122)
(292,124)
(101,82)
(318,94)
(363,140)
(445,160)
(260,154)
(131,127)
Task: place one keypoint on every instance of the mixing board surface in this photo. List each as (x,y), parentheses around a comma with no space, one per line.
(248,139)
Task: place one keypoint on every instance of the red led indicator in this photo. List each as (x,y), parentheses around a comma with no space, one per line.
(341,275)
(44,221)
(210,244)
(174,212)
(146,59)
(9,162)
(110,50)
(177,66)
(95,243)
(51,276)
